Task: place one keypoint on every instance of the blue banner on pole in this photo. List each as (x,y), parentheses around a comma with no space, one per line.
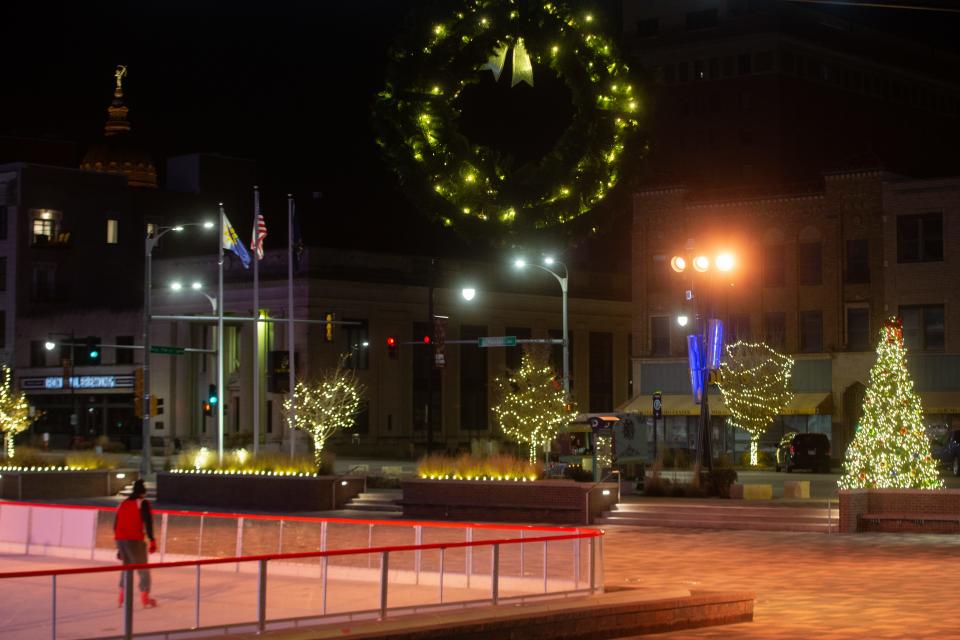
(695,357)
(714,343)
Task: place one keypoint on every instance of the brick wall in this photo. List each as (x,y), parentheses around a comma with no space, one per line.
(857,502)
(31,485)
(257,492)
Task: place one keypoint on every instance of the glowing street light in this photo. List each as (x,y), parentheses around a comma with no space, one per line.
(520,263)
(678,264)
(468,293)
(724,262)
(176,286)
(682,320)
(701,264)
(49,345)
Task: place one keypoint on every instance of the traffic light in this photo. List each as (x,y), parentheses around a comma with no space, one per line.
(426,339)
(207,408)
(392,347)
(212,397)
(328,318)
(93,349)
(156,406)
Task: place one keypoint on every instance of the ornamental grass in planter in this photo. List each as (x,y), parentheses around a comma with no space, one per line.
(468,467)
(241,461)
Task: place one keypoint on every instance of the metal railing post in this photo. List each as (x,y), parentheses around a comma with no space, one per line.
(323,536)
(323,593)
(442,554)
(593,564)
(384,581)
(200,539)
(280,539)
(262,597)
(196,604)
(163,536)
(522,545)
(239,541)
(53,607)
(468,569)
(495,575)
(600,568)
(544,566)
(369,545)
(128,604)
(417,555)
(576,563)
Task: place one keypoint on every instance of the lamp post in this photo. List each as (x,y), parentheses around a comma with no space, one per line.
(149,244)
(724,262)
(198,287)
(548,264)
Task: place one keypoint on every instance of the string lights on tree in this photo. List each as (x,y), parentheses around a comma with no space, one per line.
(532,407)
(326,405)
(890,448)
(472,187)
(755,383)
(14,412)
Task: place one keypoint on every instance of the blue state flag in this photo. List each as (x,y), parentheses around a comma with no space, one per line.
(231,241)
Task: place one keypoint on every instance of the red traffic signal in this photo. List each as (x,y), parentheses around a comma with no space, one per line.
(392,345)
(426,339)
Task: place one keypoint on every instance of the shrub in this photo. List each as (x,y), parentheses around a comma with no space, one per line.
(764,459)
(90,460)
(241,461)
(466,467)
(30,457)
(578,474)
(718,481)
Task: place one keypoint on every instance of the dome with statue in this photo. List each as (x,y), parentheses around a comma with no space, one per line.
(118,152)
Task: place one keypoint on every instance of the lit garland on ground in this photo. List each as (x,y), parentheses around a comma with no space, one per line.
(323,407)
(755,381)
(493,468)
(242,462)
(472,187)
(532,406)
(14,412)
(890,448)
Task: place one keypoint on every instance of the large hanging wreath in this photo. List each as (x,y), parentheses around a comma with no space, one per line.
(473,187)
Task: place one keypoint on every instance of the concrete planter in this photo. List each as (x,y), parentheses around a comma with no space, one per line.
(922,510)
(553,501)
(266,493)
(31,485)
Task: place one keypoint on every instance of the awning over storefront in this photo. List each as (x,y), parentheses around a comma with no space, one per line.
(683,405)
(940,401)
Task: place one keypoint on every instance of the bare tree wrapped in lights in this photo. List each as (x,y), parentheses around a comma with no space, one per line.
(325,405)
(755,381)
(531,407)
(14,412)
(890,448)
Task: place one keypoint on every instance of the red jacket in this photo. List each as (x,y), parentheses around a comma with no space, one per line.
(133,517)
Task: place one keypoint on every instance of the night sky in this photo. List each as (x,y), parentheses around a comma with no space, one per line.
(289,84)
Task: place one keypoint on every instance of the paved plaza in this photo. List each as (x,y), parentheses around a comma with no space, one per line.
(806,585)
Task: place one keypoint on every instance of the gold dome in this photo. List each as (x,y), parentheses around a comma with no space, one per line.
(118,152)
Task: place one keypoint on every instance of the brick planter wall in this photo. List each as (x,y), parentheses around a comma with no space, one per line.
(553,501)
(854,503)
(267,493)
(30,485)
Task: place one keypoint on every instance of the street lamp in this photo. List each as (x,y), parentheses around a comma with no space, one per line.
(468,293)
(549,263)
(723,262)
(149,244)
(198,287)
(49,345)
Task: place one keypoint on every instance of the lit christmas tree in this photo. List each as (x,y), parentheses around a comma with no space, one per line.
(532,407)
(14,412)
(890,448)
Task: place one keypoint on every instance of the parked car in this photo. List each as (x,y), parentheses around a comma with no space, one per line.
(950,454)
(804,451)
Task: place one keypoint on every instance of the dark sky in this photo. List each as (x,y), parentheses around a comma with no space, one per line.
(288,83)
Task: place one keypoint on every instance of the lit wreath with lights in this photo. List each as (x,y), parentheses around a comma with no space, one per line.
(472,187)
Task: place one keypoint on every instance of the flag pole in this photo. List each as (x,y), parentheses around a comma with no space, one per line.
(220,302)
(256,325)
(290,326)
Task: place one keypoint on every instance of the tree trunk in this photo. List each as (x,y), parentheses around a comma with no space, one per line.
(318,451)
(8,446)
(754,455)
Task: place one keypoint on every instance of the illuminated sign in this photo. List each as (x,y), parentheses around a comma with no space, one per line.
(81,382)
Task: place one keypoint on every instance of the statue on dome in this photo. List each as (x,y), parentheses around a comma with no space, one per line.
(119,74)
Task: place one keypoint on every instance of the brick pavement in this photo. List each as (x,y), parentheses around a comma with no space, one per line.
(806,585)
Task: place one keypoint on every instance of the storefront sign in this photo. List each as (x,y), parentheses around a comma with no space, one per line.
(57,383)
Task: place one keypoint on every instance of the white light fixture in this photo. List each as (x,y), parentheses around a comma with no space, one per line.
(49,345)
(468,293)
(701,263)
(606,492)
(176,286)
(724,262)
(208,224)
(548,260)
(519,263)
(179,227)
(682,320)
(678,264)
(196,286)
(121,476)
(364,344)
(343,483)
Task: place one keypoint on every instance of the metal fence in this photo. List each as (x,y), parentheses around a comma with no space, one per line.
(240,573)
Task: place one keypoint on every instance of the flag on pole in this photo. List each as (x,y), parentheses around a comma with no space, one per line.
(297,247)
(259,235)
(231,241)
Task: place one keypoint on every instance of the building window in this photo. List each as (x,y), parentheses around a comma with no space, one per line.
(358,344)
(113,231)
(269,416)
(810,263)
(659,335)
(811,331)
(773,266)
(775,329)
(38,353)
(920,238)
(123,356)
(44,281)
(923,327)
(858,328)
(3,222)
(3,273)
(601,371)
(361,422)
(44,227)
(474,412)
(738,328)
(858,263)
(514,355)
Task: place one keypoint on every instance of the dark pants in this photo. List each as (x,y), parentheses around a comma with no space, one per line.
(134,552)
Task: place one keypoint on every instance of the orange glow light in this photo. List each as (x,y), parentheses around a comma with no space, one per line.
(725,262)
(678,264)
(701,263)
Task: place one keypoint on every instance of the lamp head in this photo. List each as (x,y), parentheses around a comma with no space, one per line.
(724,262)
(548,260)
(196,286)
(208,224)
(176,286)
(678,264)
(49,345)
(701,263)
(468,293)
(179,227)
(519,263)
(682,320)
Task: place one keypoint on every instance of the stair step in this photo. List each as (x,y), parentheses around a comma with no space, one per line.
(385,508)
(757,525)
(737,513)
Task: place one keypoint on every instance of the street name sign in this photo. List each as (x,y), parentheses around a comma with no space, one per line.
(497,341)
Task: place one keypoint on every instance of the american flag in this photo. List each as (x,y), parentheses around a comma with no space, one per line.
(259,233)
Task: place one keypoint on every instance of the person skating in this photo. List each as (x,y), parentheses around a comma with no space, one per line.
(133,522)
